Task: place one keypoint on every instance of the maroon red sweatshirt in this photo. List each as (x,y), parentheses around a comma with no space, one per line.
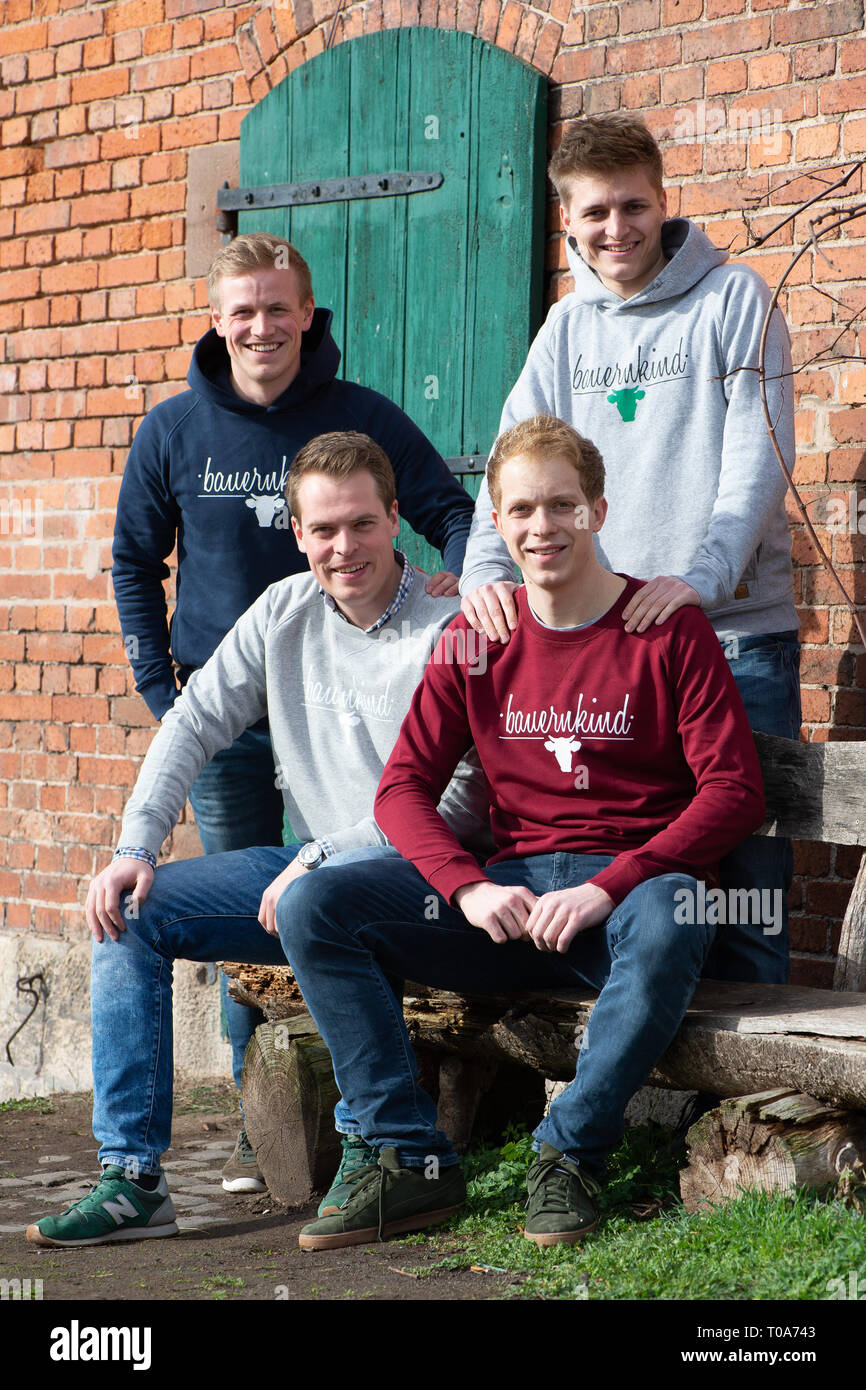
(592,740)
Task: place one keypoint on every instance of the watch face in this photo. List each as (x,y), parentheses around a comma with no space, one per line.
(311,855)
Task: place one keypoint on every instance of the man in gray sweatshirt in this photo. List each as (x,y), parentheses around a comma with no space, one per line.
(653,356)
(333,657)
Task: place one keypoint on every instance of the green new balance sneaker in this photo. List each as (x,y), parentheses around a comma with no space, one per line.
(356,1154)
(387,1200)
(114,1209)
(560,1209)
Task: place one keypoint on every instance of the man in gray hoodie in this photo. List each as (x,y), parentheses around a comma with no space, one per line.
(653,356)
(333,657)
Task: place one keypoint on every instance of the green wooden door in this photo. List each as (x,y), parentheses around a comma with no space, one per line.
(437,295)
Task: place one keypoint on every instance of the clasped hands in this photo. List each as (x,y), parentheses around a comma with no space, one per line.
(550,922)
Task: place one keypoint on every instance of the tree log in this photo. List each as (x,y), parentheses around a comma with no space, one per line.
(769,1142)
(289,1095)
(735,1040)
(850,972)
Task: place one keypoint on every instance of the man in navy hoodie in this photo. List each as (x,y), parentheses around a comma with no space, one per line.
(207,473)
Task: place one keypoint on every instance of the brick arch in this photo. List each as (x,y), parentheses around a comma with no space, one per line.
(283,36)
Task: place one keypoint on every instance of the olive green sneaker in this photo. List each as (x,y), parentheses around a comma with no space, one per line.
(356,1154)
(560,1209)
(114,1209)
(242,1173)
(387,1200)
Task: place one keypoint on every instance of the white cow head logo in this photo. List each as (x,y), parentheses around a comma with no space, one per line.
(563,750)
(266,508)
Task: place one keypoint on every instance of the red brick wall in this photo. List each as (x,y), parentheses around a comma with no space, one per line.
(100,105)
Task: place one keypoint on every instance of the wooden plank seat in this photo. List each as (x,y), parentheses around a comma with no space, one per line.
(737,1040)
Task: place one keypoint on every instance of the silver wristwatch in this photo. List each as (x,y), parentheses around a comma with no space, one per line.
(312,855)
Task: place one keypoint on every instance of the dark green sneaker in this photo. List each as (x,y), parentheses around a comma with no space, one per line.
(242,1173)
(560,1209)
(114,1209)
(356,1154)
(387,1200)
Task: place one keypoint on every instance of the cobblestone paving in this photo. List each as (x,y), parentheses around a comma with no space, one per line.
(193,1169)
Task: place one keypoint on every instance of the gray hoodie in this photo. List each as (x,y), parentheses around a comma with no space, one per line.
(693,484)
(335,697)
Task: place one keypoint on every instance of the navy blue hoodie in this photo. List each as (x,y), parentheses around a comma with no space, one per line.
(208,470)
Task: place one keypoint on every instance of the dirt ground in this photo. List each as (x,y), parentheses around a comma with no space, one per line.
(231,1248)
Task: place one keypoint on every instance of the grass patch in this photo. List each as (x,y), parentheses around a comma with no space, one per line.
(222,1099)
(39,1105)
(764,1246)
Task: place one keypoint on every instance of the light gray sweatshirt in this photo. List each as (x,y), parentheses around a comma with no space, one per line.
(693,485)
(335,697)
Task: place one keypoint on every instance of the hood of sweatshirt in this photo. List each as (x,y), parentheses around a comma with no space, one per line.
(692,255)
(210,370)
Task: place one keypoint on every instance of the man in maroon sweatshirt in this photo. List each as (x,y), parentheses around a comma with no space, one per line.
(621,768)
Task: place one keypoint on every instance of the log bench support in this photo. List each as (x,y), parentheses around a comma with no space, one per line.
(795,1057)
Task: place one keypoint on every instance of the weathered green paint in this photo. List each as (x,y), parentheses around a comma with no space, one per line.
(436,296)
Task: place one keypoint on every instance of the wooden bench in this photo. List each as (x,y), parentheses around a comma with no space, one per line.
(764,1044)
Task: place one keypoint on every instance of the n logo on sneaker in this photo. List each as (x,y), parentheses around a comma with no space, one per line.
(120,1208)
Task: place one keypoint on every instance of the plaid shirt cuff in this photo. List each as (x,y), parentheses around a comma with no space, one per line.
(129,852)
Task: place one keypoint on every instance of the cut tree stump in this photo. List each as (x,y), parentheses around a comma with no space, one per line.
(772,1141)
(289,1096)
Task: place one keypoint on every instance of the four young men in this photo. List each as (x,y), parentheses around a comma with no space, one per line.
(616,750)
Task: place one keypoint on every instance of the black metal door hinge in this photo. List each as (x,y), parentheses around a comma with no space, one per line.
(395,184)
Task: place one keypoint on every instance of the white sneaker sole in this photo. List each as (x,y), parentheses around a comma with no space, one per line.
(36,1237)
(244,1185)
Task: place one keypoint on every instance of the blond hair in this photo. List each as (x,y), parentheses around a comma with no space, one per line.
(258,251)
(601,144)
(543,438)
(338,455)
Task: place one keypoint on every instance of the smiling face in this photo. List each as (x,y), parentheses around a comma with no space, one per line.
(547,522)
(262,316)
(348,538)
(616,220)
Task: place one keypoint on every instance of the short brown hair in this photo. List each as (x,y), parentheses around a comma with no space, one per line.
(600,144)
(338,455)
(543,438)
(258,251)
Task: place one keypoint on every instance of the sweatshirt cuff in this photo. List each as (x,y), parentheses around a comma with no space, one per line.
(487,574)
(142,832)
(706,585)
(159,697)
(457,874)
(618,879)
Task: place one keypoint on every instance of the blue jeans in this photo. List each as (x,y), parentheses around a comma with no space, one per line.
(352,933)
(197,909)
(237,805)
(767,672)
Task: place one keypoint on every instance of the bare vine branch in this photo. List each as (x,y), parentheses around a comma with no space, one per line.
(819,227)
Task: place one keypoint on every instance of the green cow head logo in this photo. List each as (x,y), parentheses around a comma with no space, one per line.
(626,401)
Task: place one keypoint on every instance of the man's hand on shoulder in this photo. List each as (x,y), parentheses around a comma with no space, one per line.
(656,601)
(442,584)
(273,893)
(502,912)
(491,609)
(102,909)
(558,917)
